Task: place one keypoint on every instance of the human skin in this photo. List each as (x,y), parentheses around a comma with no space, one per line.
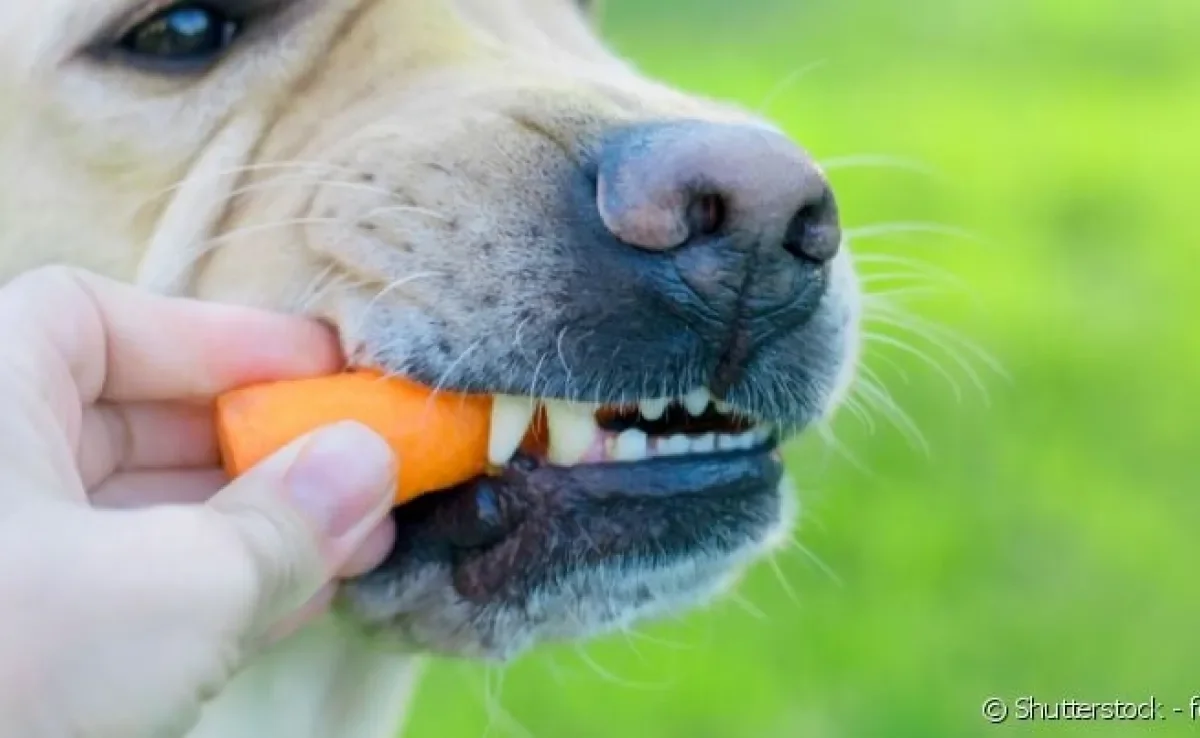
(135,580)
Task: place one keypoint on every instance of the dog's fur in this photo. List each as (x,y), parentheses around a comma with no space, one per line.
(394,167)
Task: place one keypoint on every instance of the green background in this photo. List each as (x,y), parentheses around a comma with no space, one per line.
(1024,174)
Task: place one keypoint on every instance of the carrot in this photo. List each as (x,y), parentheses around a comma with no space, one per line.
(441,439)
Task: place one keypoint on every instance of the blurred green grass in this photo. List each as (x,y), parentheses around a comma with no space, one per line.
(1044,544)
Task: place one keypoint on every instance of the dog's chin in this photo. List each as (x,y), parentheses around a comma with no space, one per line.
(542,551)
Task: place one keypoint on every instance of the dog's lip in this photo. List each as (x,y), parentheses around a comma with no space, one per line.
(665,476)
(471,519)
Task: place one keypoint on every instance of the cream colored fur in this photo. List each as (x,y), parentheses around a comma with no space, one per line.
(239,185)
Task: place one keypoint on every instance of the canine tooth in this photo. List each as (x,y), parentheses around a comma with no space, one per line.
(762,433)
(696,401)
(674,446)
(726,442)
(746,440)
(631,446)
(511,417)
(572,429)
(724,407)
(652,409)
(705,444)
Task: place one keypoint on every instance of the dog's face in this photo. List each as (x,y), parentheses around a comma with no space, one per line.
(481,197)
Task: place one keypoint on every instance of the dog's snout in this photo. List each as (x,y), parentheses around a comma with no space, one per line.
(662,186)
(732,227)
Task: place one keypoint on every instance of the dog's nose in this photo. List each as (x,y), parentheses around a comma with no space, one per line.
(666,185)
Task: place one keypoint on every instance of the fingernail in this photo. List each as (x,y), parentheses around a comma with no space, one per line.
(342,476)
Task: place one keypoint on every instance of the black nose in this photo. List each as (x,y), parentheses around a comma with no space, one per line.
(667,185)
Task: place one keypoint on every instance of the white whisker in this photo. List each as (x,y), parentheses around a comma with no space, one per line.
(878,296)
(533,388)
(833,443)
(880,230)
(876,161)
(551,665)
(449,370)
(887,405)
(945,342)
(311,167)
(816,560)
(853,406)
(870,278)
(661,642)
(262,227)
(892,363)
(326,283)
(608,676)
(786,83)
(283,181)
(386,209)
(391,287)
(912,262)
(315,287)
(495,710)
(773,563)
(873,337)
(562,359)
(747,606)
(916,324)
(212,244)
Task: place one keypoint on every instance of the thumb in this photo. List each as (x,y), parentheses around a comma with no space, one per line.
(303,512)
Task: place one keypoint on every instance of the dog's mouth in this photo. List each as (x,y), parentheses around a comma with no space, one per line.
(570,434)
(584,485)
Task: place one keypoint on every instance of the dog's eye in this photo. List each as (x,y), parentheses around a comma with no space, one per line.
(183,36)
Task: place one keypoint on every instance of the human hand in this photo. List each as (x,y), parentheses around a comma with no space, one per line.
(134,580)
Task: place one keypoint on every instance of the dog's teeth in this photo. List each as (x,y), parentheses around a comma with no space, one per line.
(511,417)
(652,409)
(631,446)
(705,444)
(696,401)
(738,441)
(572,430)
(674,446)
(723,407)
(762,433)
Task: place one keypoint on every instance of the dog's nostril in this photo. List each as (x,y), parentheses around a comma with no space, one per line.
(661,185)
(813,233)
(705,215)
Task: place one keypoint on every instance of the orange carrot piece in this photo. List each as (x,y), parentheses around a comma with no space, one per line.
(440,439)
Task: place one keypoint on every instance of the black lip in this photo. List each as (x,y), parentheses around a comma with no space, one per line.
(502,534)
(662,476)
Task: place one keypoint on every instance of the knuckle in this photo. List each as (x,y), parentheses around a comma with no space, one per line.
(276,549)
(74,328)
(53,279)
(223,579)
(120,436)
(59,285)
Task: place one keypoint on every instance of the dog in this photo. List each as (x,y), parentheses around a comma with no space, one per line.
(481,196)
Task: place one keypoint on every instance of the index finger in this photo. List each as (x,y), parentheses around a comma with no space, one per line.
(118,343)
